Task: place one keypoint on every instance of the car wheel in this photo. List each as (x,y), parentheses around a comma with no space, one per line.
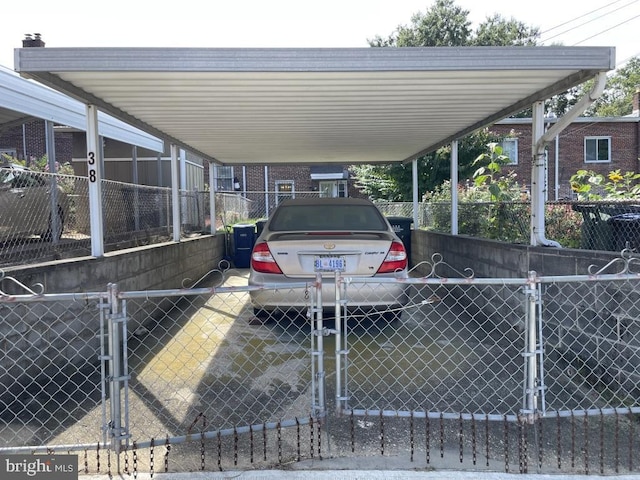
(48,235)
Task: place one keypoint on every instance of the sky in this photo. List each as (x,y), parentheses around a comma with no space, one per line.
(296,23)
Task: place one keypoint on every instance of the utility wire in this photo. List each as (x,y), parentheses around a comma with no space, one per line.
(579,17)
(606,30)
(588,21)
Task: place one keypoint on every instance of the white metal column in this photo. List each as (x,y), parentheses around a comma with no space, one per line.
(212,199)
(454,187)
(56,225)
(175,193)
(94,176)
(416,200)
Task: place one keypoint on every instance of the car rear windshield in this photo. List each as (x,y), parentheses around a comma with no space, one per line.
(327,218)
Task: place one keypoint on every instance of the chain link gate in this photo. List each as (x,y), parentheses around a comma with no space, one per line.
(540,373)
(223,381)
(474,369)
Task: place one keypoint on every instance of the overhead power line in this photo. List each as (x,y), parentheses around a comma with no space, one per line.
(580,16)
(590,21)
(606,30)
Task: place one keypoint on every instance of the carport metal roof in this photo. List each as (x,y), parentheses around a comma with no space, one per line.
(304,106)
(22,101)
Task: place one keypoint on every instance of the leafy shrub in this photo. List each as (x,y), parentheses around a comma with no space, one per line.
(496,207)
(590,185)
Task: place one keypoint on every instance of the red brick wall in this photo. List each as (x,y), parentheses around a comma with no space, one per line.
(300,174)
(624,150)
(35,145)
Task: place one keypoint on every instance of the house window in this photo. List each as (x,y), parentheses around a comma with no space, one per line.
(284,190)
(510,149)
(333,189)
(597,149)
(224,178)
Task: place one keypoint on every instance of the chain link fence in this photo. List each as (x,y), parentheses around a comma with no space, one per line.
(49,369)
(477,347)
(599,225)
(45,216)
(522,374)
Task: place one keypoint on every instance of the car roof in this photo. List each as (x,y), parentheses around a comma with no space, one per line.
(326,200)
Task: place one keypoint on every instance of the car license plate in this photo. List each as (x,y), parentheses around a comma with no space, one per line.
(329,263)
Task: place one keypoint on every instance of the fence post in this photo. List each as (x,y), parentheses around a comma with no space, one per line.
(340,349)
(530,351)
(118,378)
(317,334)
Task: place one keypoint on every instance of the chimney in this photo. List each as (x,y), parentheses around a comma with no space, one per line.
(636,103)
(32,40)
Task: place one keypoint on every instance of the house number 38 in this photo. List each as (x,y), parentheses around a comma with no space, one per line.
(91,161)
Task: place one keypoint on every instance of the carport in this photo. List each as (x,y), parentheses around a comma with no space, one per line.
(317,106)
(22,100)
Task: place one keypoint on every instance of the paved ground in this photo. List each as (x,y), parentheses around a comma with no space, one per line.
(355,475)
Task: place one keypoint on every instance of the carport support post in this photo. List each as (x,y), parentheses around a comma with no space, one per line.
(56,227)
(538,187)
(454,187)
(416,201)
(134,177)
(212,201)
(175,193)
(94,176)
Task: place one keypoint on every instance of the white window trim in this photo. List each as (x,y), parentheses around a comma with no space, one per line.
(283,195)
(596,138)
(514,141)
(223,183)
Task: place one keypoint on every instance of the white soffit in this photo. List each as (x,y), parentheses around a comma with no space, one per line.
(23,100)
(270,106)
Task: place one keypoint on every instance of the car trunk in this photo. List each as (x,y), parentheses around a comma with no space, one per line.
(302,254)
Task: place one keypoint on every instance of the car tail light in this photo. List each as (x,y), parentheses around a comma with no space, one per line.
(396,259)
(262,261)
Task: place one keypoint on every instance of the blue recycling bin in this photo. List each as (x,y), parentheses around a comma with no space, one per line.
(244,237)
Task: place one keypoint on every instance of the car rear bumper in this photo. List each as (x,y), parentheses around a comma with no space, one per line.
(370,294)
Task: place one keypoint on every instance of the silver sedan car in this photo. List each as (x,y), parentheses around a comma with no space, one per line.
(307,236)
(26,199)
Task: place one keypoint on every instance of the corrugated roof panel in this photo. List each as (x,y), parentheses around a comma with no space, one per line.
(21,100)
(244,106)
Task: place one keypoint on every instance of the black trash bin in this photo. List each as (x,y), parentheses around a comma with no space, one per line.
(260,226)
(625,231)
(402,227)
(244,237)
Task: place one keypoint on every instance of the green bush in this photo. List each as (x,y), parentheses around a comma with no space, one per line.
(496,207)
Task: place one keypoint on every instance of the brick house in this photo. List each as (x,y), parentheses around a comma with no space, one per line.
(601,144)
(28,142)
(330,179)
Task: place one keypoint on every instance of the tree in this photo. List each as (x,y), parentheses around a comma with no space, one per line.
(496,31)
(443,24)
(394,181)
(447,25)
(617,98)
